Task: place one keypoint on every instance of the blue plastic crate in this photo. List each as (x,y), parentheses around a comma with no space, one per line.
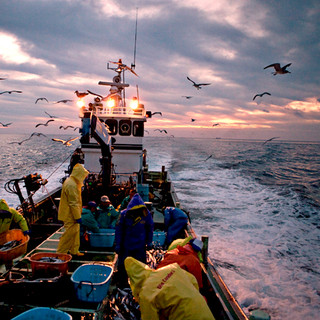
(102,239)
(159,238)
(92,281)
(43,313)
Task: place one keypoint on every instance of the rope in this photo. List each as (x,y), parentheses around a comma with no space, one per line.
(51,198)
(60,165)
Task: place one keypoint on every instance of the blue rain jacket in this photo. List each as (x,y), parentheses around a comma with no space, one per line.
(134,230)
(174,221)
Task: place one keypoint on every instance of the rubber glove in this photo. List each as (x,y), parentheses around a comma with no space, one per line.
(27,232)
(79,220)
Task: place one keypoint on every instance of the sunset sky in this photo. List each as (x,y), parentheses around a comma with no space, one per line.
(50,48)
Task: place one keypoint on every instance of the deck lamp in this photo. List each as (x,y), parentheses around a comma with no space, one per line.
(134,103)
(80,103)
(110,103)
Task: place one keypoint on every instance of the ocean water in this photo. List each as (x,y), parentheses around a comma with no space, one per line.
(259,205)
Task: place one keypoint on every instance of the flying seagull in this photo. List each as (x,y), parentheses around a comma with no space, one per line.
(5,124)
(50,115)
(163,130)
(192,120)
(198,85)
(64,101)
(3,78)
(216,124)
(44,124)
(208,157)
(278,69)
(19,143)
(41,99)
(95,94)
(122,66)
(270,140)
(261,94)
(38,134)
(16,91)
(65,128)
(81,94)
(187,97)
(67,143)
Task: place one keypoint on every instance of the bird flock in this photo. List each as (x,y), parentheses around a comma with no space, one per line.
(46,123)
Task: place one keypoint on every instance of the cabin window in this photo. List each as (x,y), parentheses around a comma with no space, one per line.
(138,128)
(125,127)
(112,126)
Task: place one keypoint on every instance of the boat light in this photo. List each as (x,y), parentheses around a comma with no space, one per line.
(110,103)
(134,103)
(80,103)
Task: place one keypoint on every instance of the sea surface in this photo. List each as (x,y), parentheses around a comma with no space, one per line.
(258,203)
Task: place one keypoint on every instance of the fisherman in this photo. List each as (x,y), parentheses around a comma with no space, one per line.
(175,220)
(88,219)
(187,258)
(9,215)
(70,211)
(127,199)
(107,215)
(166,293)
(133,236)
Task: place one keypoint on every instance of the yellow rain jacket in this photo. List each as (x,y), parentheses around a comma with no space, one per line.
(7,215)
(167,293)
(70,209)
(70,206)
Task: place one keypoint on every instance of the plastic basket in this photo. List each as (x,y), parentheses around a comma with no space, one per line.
(159,238)
(42,313)
(13,234)
(48,267)
(102,239)
(92,281)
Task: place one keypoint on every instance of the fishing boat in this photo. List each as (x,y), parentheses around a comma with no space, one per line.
(111,138)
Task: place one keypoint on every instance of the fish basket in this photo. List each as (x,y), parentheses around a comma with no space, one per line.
(15,252)
(159,238)
(43,313)
(103,239)
(92,281)
(46,268)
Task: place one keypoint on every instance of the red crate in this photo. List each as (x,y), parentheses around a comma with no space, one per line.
(48,267)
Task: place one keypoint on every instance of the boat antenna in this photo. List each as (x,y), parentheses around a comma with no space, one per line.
(133,65)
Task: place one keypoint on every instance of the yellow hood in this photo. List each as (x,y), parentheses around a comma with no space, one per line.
(79,172)
(138,272)
(4,205)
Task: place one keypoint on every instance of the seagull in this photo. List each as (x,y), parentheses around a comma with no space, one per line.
(3,78)
(187,97)
(192,120)
(5,124)
(67,143)
(64,101)
(163,130)
(44,124)
(65,128)
(81,94)
(16,91)
(50,115)
(95,94)
(216,124)
(270,140)
(208,157)
(198,85)
(156,113)
(146,131)
(41,99)
(122,66)
(38,134)
(261,94)
(278,69)
(19,143)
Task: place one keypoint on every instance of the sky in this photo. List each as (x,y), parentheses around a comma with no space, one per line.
(50,48)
